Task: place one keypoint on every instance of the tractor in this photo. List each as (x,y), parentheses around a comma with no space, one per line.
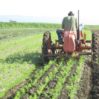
(71,44)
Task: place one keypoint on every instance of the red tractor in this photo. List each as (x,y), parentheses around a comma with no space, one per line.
(73,42)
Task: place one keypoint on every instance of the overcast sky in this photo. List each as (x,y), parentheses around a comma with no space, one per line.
(89,13)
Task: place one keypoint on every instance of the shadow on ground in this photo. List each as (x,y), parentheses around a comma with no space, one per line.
(31,58)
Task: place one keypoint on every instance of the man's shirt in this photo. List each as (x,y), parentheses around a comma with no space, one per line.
(69,23)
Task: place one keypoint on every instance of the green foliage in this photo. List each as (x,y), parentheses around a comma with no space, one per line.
(18,59)
(64,73)
(92,27)
(88,34)
(28,25)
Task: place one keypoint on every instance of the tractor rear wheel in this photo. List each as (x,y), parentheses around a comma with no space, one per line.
(46,44)
(95,47)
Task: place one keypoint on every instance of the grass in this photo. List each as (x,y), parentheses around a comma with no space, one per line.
(13,33)
(88,34)
(19,58)
(92,27)
(12,74)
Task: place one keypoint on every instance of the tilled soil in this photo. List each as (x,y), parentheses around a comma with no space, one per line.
(94,93)
(85,83)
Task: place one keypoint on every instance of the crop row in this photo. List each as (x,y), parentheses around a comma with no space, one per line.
(39,83)
(73,83)
(60,79)
(33,80)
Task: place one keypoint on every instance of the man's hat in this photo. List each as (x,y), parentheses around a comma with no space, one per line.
(70,13)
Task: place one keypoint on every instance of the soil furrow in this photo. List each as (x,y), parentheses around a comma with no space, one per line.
(94,94)
(85,83)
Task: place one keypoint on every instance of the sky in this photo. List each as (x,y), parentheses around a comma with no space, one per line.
(52,9)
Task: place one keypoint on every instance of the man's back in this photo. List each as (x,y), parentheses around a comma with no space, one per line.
(69,23)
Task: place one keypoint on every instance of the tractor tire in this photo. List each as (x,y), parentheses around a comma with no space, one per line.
(95,47)
(45,42)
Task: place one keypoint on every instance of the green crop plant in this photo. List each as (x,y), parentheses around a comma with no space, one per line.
(73,84)
(63,73)
(37,75)
(51,75)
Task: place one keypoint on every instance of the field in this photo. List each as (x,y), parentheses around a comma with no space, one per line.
(22,74)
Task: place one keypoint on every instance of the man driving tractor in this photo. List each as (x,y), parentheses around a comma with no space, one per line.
(71,39)
(69,23)
(68,34)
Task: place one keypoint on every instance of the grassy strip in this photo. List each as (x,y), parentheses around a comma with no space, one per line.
(73,84)
(9,77)
(21,50)
(28,25)
(88,33)
(16,57)
(7,34)
(92,27)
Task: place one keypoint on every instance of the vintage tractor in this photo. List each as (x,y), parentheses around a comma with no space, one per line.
(72,43)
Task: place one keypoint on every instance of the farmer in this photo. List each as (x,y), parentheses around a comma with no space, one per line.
(69,23)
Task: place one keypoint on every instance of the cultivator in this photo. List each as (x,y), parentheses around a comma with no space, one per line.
(72,43)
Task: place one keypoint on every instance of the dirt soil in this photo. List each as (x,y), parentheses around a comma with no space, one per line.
(85,83)
(90,80)
(94,94)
